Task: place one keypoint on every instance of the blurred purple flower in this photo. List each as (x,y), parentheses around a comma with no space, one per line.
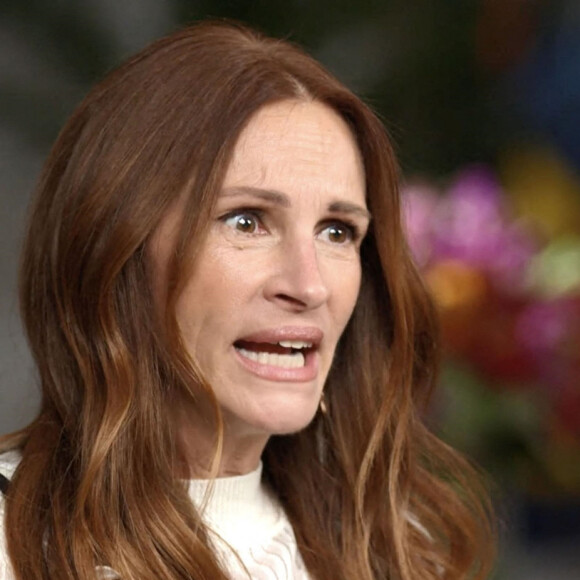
(548,331)
(542,326)
(510,306)
(514,252)
(419,206)
(469,224)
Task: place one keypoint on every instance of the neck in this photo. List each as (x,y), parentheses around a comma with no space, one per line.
(240,454)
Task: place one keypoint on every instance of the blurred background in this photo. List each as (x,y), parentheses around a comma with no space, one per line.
(482,98)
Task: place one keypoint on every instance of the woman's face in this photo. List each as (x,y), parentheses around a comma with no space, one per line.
(278,276)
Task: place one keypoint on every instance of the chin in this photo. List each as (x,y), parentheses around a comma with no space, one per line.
(289,427)
(280,419)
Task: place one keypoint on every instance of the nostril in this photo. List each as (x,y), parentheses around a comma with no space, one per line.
(292,300)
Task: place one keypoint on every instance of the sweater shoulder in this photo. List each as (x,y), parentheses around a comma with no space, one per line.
(9,461)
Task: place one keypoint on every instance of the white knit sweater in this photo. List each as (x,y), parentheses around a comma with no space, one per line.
(244,517)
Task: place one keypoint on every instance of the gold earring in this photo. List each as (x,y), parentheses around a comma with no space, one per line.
(322,404)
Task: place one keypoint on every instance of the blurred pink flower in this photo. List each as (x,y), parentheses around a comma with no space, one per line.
(467,233)
(510,310)
(470,224)
(420,203)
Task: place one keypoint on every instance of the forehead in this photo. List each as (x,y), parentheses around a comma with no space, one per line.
(298,146)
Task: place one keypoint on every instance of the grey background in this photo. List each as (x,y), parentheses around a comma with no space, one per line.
(30,69)
(19,164)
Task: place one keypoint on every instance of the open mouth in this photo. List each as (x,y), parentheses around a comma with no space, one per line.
(287,354)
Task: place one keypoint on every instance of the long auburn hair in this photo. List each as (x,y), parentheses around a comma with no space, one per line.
(370,492)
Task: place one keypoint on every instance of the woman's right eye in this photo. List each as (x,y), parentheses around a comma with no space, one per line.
(244,222)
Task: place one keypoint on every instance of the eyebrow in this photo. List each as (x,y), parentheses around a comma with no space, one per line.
(347,207)
(281,199)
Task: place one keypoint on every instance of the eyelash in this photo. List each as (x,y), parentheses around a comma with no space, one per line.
(352,229)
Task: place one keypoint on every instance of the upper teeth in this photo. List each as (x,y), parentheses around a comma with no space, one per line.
(295,344)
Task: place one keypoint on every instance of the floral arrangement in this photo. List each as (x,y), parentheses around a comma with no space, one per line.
(508,289)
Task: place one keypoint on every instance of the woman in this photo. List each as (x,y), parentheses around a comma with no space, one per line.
(232,354)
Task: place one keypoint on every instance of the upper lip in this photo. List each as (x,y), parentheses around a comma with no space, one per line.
(310,334)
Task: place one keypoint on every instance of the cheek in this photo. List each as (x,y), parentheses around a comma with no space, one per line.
(346,283)
(221,284)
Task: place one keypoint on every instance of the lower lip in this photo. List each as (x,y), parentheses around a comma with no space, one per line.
(272,373)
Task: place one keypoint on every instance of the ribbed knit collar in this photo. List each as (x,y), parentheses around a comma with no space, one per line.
(240,508)
(230,497)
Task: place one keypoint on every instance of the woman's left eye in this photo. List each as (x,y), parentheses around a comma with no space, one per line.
(338,233)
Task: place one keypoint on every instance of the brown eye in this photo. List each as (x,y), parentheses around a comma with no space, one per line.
(337,234)
(243,222)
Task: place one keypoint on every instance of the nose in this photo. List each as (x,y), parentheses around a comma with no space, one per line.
(297,282)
